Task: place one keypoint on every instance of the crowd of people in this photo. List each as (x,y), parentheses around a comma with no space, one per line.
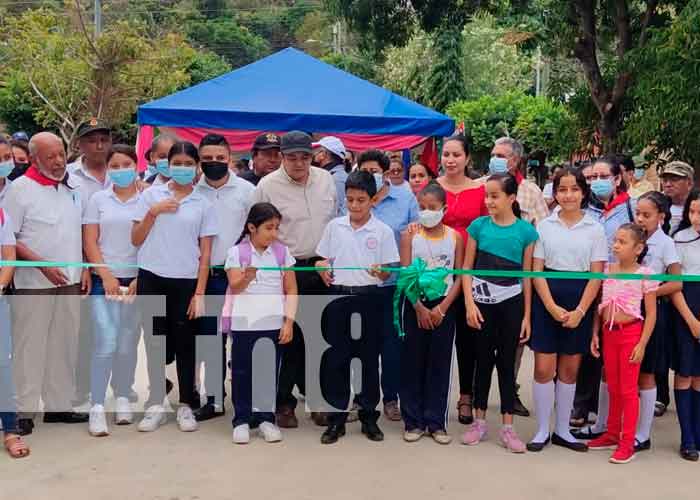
(389,243)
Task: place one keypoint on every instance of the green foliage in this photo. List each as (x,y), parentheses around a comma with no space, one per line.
(227,38)
(353,63)
(445,83)
(538,122)
(16,107)
(205,66)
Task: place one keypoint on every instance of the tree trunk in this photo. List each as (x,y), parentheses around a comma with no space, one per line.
(610,132)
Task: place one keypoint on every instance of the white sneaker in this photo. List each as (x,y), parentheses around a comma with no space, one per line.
(271,433)
(185,419)
(154,417)
(122,413)
(241,434)
(98,422)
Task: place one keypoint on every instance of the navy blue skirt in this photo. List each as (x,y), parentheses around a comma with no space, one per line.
(548,335)
(686,361)
(656,356)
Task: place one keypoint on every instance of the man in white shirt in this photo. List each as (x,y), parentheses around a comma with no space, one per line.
(46,214)
(231,197)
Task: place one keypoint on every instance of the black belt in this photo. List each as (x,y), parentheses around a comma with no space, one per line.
(355,290)
(217,272)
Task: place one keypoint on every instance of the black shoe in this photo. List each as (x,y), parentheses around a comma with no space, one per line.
(532,446)
(519,408)
(575,446)
(372,431)
(642,445)
(332,433)
(25,426)
(586,433)
(690,454)
(659,409)
(207,412)
(66,417)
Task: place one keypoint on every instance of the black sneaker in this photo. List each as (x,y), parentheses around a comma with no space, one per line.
(332,433)
(642,445)
(372,431)
(208,411)
(690,454)
(519,408)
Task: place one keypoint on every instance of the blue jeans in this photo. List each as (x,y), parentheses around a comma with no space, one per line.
(116,337)
(8,405)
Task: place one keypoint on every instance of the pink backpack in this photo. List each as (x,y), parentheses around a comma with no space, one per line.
(245,255)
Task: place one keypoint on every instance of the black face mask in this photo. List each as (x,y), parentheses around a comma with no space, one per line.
(21,166)
(215,170)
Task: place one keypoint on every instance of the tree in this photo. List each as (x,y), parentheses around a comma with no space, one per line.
(666,98)
(226,37)
(205,66)
(16,107)
(445,83)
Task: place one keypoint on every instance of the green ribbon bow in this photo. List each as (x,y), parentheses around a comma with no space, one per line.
(417,282)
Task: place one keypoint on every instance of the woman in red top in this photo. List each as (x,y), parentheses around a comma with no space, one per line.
(465,202)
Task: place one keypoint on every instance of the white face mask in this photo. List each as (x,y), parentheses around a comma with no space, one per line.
(379,181)
(430,218)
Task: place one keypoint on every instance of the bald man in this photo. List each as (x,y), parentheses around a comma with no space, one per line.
(45,210)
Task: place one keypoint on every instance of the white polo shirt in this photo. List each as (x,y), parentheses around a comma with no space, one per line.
(232,202)
(345,246)
(688,247)
(661,252)
(4,189)
(85,182)
(116,220)
(261,305)
(7,237)
(573,248)
(47,220)
(171,249)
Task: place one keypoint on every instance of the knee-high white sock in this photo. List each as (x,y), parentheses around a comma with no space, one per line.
(601,423)
(647,400)
(543,395)
(565,394)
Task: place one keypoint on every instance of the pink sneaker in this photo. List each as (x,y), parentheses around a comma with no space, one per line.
(475,433)
(510,440)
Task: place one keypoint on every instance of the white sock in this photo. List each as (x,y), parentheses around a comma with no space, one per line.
(647,400)
(601,423)
(565,394)
(543,395)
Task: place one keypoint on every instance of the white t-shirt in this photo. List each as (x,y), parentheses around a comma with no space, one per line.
(345,246)
(688,247)
(232,202)
(570,248)
(661,252)
(676,216)
(261,306)
(48,220)
(7,237)
(116,220)
(4,189)
(171,249)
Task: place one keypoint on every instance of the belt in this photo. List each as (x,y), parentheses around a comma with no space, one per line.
(217,272)
(355,290)
(310,262)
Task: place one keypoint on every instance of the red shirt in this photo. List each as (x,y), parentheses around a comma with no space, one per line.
(464,207)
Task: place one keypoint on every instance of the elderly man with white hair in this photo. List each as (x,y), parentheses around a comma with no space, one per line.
(45,210)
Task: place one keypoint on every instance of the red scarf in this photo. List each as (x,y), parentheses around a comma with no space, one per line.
(34,174)
(616,202)
(518,177)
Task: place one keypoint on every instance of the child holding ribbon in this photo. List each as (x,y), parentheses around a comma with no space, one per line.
(427,317)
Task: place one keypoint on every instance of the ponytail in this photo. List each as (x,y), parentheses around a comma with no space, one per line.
(516,209)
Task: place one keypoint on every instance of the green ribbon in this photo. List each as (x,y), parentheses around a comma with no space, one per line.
(418,283)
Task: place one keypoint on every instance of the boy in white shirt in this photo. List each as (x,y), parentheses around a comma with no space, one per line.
(356,240)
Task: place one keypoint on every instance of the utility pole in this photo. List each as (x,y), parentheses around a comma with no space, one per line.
(98,17)
(538,72)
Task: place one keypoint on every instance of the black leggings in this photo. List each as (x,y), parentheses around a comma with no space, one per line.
(496,344)
(173,333)
(466,349)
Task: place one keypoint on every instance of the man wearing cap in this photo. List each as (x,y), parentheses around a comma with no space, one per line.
(677,179)
(329,154)
(46,213)
(306,196)
(266,158)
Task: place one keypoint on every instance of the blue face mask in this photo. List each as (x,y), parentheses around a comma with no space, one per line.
(639,173)
(602,188)
(379,181)
(151,170)
(122,177)
(182,174)
(498,165)
(162,167)
(6,167)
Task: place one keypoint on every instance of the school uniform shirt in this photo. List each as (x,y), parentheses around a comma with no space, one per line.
(232,202)
(259,307)
(85,182)
(688,247)
(171,249)
(661,252)
(306,208)
(618,212)
(4,189)
(501,248)
(48,220)
(397,210)
(7,237)
(345,246)
(573,248)
(115,219)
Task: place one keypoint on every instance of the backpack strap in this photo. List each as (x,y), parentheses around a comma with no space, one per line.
(280,252)
(245,252)
(629,209)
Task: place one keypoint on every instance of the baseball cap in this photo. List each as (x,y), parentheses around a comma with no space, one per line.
(332,144)
(266,141)
(20,136)
(296,142)
(92,125)
(679,168)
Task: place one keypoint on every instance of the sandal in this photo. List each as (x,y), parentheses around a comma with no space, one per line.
(464,409)
(15,446)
